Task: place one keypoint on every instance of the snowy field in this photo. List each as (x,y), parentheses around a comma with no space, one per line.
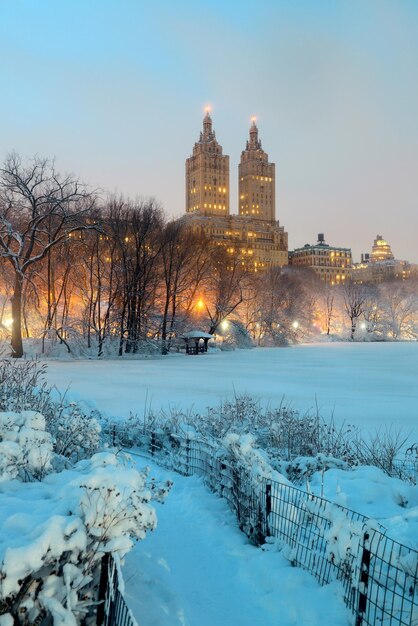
(367,384)
(198,569)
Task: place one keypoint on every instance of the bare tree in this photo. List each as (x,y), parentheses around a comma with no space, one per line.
(399,301)
(181,273)
(226,287)
(372,309)
(329,308)
(39,208)
(136,228)
(285,303)
(354,296)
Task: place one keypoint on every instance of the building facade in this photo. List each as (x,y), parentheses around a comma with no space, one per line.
(381,250)
(331,264)
(207,175)
(254,236)
(256,180)
(380,265)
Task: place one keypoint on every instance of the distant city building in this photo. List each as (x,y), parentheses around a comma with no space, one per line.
(254,236)
(379,271)
(331,264)
(381,265)
(381,250)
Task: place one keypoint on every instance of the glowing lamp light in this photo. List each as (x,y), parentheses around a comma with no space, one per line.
(253,119)
(8,322)
(224,325)
(295,324)
(363,326)
(200,304)
(207,109)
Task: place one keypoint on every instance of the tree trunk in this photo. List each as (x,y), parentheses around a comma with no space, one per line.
(164,349)
(16,300)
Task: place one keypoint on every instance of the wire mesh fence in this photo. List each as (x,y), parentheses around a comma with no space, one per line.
(379,576)
(406,468)
(112,609)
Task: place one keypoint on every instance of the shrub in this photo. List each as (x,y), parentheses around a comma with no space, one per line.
(75,433)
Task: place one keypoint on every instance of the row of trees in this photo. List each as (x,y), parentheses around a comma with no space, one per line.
(293,305)
(78,268)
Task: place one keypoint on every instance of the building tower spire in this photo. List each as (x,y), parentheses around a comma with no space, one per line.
(254,143)
(256,184)
(207,125)
(207,174)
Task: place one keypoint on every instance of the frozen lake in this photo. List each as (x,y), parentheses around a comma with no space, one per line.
(367,384)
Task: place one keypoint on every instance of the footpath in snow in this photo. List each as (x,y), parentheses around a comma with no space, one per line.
(198,569)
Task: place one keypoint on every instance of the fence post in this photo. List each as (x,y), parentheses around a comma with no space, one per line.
(364,580)
(236,493)
(114,435)
(104,578)
(268,508)
(188,457)
(222,482)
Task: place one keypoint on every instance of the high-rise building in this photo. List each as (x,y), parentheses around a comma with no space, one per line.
(254,237)
(207,175)
(256,180)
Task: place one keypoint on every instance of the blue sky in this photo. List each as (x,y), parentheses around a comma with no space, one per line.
(115,90)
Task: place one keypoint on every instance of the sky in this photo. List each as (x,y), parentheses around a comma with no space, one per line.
(115,91)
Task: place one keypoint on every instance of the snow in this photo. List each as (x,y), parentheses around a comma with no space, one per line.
(368,490)
(366,384)
(198,569)
(73,518)
(25,446)
(197,334)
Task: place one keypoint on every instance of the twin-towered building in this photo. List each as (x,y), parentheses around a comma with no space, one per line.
(253,237)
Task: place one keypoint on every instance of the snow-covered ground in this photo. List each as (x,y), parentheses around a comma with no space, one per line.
(367,384)
(368,490)
(198,569)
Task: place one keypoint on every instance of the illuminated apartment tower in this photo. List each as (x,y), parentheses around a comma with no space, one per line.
(207,175)
(381,250)
(256,185)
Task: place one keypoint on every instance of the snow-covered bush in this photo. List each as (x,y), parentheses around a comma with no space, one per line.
(53,535)
(235,336)
(26,449)
(75,432)
(23,386)
(300,469)
(242,452)
(296,444)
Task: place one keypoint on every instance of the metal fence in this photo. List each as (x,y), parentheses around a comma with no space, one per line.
(112,609)
(406,469)
(379,576)
(406,466)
